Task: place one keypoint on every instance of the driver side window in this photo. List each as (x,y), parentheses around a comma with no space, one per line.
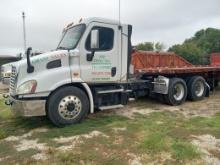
(106,39)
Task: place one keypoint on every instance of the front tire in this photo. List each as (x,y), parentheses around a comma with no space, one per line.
(68,105)
(177,92)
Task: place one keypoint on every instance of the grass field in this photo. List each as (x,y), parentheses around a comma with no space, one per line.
(160,137)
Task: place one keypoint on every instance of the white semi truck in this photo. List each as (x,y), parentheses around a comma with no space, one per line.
(90,69)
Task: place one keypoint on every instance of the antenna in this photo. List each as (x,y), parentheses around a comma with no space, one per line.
(119,11)
(24,31)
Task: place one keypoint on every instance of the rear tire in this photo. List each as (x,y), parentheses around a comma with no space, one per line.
(196,88)
(177,92)
(68,105)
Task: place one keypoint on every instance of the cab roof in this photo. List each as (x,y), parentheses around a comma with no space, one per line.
(92,19)
(98,19)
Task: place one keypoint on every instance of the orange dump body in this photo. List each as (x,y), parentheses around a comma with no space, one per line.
(215,59)
(167,63)
(158,59)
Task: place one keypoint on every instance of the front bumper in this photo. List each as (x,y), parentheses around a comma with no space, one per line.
(28,108)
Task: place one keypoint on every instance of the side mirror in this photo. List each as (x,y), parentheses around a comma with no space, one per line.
(94,44)
(29,51)
(94,39)
(30,68)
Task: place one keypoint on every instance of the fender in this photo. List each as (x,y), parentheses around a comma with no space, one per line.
(208,89)
(89,92)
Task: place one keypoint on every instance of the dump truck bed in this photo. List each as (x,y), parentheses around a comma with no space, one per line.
(167,63)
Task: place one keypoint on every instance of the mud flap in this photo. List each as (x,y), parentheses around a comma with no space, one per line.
(208,90)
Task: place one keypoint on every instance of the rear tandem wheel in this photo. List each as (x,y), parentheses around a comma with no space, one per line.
(196,88)
(177,92)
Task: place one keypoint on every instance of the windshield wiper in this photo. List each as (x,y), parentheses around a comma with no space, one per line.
(62,48)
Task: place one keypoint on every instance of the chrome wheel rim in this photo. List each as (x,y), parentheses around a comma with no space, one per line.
(199,88)
(70,107)
(179,92)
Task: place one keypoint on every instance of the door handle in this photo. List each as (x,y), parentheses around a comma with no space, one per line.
(89,56)
(113,71)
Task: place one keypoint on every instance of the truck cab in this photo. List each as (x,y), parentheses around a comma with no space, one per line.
(87,71)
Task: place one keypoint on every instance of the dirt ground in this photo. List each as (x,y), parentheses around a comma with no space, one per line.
(116,140)
(205,108)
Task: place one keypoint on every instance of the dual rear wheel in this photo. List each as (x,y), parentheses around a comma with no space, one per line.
(179,90)
(196,88)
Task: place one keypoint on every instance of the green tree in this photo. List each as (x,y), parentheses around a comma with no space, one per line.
(190,52)
(198,48)
(146,46)
(150,46)
(159,46)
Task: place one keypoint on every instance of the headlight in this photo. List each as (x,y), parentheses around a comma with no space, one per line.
(28,87)
(7,74)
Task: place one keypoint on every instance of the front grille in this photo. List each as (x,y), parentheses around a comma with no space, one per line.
(1,73)
(13,80)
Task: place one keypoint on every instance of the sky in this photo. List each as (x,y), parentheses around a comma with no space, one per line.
(167,21)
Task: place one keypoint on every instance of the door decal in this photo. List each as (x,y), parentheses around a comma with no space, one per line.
(101,68)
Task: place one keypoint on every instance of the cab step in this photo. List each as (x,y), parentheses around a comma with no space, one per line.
(102,108)
(131,99)
(110,91)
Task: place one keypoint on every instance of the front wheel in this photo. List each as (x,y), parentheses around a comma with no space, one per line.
(177,92)
(68,105)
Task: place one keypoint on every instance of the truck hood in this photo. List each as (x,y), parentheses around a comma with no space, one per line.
(36,60)
(19,69)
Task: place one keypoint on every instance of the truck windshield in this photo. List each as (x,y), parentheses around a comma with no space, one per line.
(71,37)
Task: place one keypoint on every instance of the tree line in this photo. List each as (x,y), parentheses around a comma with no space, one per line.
(195,49)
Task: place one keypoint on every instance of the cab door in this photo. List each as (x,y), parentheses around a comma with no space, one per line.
(104,65)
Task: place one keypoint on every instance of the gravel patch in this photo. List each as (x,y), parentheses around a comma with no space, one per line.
(30,144)
(2,159)
(78,139)
(206,144)
(135,160)
(120,129)
(29,134)
(40,156)
(204,108)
